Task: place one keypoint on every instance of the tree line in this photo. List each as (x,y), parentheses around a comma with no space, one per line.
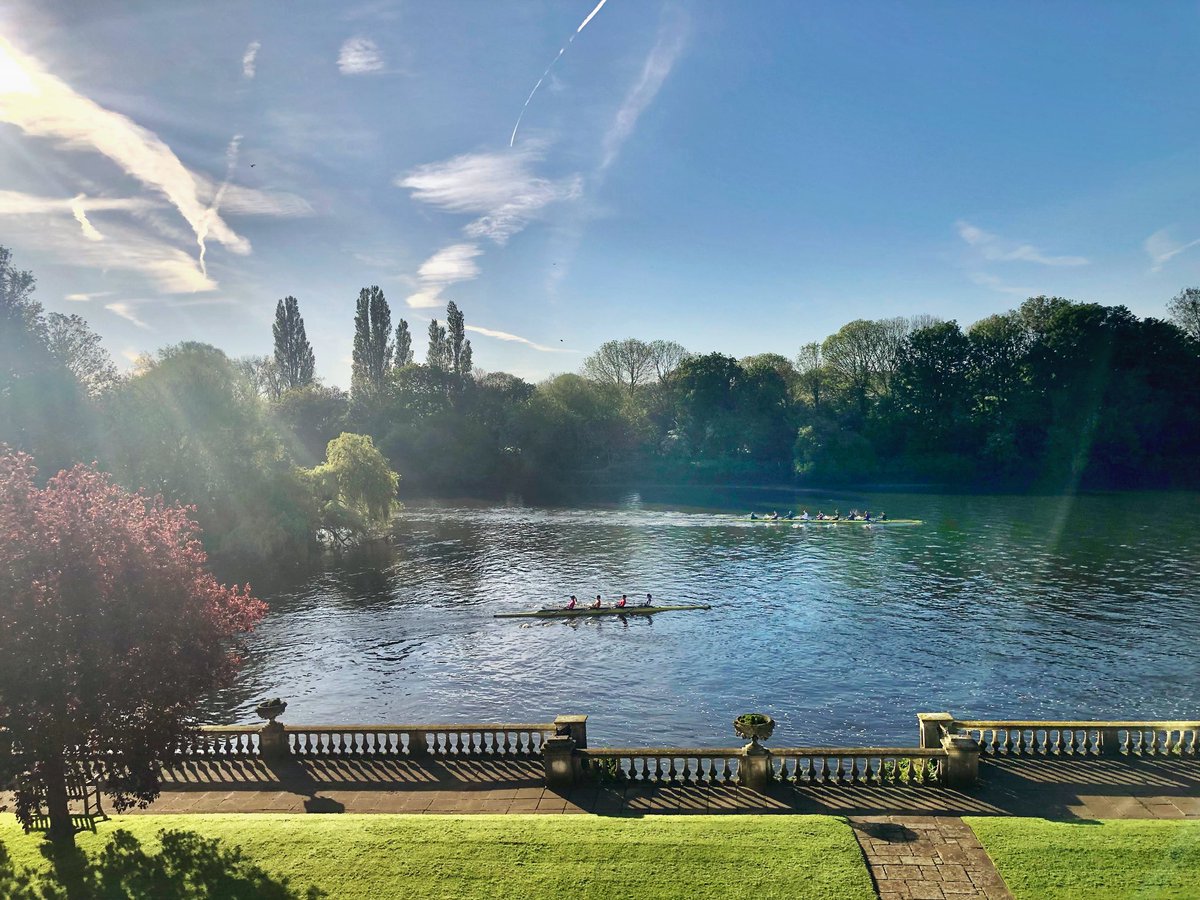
(1054,394)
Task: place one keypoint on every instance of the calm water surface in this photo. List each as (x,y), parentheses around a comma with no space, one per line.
(1036,607)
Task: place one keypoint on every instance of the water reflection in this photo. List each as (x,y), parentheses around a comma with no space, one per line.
(997,606)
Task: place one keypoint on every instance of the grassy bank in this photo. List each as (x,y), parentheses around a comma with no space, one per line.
(386,856)
(1043,860)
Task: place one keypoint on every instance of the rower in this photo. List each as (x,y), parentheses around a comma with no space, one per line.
(804,516)
(622,601)
(773,516)
(649,601)
(883,517)
(572,603)
(753,517)
(789,515)
(596,604)
(867,516)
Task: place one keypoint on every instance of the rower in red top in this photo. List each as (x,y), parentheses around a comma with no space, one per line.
(596,604)
(571,605)
(622,601)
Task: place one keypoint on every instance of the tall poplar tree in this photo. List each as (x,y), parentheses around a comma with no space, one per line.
(372,354)
(438,354)
(404,348)
(293,353)
(455,335)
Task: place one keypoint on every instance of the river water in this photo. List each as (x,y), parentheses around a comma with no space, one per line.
(993,607)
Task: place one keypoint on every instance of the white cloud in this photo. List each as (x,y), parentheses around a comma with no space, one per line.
(359,56)
(249,59)
(500,188)
(451,264)
(994,248)
(125,311)
(505,336)
(655,70)
(56,232)
(42,105)
(448,266)
(16,203)
(1161,248)
(85,298)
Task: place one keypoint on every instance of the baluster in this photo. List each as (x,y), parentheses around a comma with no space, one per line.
(1008,742)
(854,770)
(1155,744)
(810,772)
(506,747)
(726,771)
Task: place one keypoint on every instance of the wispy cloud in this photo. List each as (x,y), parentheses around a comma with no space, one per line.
(56,231)
(1161,248)
(505,336)
(17,203)
(449,265)
(125,311)
(86,298)
(994,248)
(501,188)
(80,212)
(359,56)
(655,69)
(42,105)
(249,59)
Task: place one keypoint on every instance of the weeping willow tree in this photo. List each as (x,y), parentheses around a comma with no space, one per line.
(355,489)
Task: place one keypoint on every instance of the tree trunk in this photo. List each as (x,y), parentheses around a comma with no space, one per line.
(54,773)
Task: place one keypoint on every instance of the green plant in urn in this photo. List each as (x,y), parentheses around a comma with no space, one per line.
(754,726)
(269,709)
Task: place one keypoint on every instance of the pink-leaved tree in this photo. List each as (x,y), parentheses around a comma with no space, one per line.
(112,630)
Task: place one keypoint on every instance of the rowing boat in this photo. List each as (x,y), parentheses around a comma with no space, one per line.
(799,521)
(602,611)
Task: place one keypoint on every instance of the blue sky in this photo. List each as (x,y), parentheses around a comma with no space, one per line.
(742,177)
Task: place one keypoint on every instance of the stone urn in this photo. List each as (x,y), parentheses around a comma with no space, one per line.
(270,709)
(755,726)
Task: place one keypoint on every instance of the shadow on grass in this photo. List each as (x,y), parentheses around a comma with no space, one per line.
(189,867)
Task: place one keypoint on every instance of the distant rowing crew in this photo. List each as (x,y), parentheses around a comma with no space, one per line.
(855,516)
(599,604)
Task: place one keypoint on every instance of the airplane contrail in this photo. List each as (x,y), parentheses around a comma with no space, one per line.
(562,50)
(231,156)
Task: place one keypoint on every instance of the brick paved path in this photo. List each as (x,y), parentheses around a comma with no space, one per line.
(927,858)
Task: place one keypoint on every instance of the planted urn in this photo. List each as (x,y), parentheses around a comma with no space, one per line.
(755,726)
(270,709)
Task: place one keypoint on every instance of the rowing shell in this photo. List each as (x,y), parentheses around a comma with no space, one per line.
(798,521)
(603,611)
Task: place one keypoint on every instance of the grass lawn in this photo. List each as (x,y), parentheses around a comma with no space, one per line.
(511,856)
(1043,860)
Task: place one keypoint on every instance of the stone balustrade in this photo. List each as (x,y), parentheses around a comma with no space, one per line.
(1077,738)
(860,766)
(661,765)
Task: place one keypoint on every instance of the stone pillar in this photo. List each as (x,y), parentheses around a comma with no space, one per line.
(558,756)
(754,771)
(418,746)
(931,725)
(1110,742)
(574,727)
(272,741)
(962,761)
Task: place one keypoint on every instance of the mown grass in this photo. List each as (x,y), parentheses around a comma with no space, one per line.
(511,856)
(1140,858)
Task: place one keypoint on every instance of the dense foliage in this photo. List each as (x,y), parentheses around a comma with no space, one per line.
(111,630)
(1052,395)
